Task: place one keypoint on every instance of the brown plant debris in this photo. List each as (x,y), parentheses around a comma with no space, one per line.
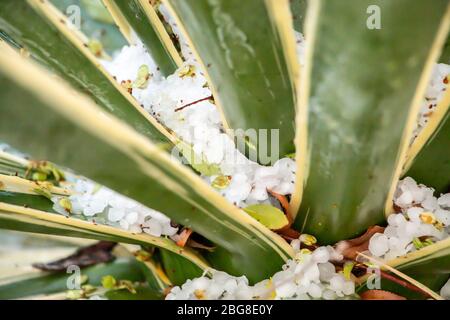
(350,248)
(84,257)
(380,295)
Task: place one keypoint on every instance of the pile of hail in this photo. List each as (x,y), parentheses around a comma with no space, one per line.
(422,219)
(101,205)
(310,275)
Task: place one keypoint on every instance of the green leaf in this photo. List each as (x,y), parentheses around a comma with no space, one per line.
(247,49)
(298,8)
(9,40)
(45,283)
(363,101)
(143,20)
(178,269)
(109,282)
(43,31)
(96,22)
(20,185)
(14,165)
(28,200)
(273,218)
(126,162)
(347,271)
(17,165)
(445,56)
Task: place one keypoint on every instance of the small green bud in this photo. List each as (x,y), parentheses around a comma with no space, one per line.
(96,188)
(348,267)
(143,77)
(187,71)
(221,182)
(96,47)
(308,239)
(290,155)
(305,251)
(65,204)
(39,176)
(417,243)
(109,282)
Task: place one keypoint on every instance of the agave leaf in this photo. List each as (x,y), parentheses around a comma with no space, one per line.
(29,194)
(96,22)
(432,148)
(247,49)
(178,269)
(73,128)
(37,202)
(445,56)
(49,283)
(51,39)
(20,185)
(143,20)
(19,166)
(298,8)
(358,135)
(9,40)
(13,165)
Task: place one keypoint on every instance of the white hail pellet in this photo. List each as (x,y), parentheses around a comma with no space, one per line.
(102,205)
(308,276)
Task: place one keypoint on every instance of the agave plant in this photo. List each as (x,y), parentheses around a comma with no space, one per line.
(346,111)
